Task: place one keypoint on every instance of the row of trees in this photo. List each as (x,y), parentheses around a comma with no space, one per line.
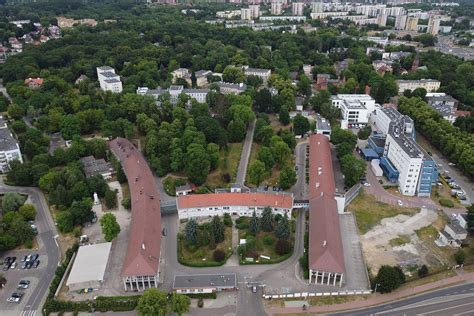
(156,302)
(351,167)
(208,234)
(14,227)
(456,145)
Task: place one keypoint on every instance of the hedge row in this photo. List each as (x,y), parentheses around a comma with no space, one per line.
(205,264)
(202,295)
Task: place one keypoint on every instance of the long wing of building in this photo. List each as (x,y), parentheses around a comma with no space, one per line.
(326,258)
(141,266)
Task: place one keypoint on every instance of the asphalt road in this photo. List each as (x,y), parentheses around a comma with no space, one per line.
(244,158)
(46,232)
(298,189)
(457,300)
(446,46)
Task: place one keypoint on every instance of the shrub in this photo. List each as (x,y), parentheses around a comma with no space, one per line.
(446,202)
(29,244)
(77,231)
(226,177)
(389,278)
(200,302)
(218,255)
(192,248)
(227,220)
(127,203)
(200,253)
(282,247)
(460,256)
(423,271)
(268,240)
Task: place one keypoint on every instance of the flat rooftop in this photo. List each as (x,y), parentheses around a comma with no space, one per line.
(90,263)
(205,281)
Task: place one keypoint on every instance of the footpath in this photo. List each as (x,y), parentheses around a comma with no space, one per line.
(377,299)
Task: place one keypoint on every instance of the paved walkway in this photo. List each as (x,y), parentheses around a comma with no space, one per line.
(378,298)
(244,158)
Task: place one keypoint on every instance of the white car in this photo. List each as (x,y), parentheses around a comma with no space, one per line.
(366,184)
(400,203)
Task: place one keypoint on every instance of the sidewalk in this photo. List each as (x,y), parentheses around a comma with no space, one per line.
(378,299)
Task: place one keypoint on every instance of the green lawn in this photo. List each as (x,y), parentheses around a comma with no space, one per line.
(203,256)
(399,241)
(369,212)
(228,163)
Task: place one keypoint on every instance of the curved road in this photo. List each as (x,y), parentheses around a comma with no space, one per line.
(46,232)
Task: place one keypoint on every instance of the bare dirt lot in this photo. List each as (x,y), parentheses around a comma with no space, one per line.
(407,241)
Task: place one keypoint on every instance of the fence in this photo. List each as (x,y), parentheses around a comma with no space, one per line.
(308,294)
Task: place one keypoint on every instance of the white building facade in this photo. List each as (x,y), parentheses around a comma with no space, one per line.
(9,147)
(429,85)
(355,108)
(108,79)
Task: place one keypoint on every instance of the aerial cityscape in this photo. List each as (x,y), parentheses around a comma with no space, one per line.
(236,157)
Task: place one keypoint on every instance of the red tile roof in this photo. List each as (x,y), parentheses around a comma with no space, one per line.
(34,81)
(325,244)
(235,199)
(143,252)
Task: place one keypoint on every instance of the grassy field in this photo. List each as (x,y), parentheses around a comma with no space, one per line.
(228,163)
(369,212)
(202,257)
(399,241)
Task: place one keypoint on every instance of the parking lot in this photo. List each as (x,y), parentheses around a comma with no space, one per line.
(13,277)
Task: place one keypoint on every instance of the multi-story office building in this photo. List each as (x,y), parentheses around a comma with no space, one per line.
(9,148)
(297,8)
(255,8)
(444,104)
(429,85)
(416,170)
(355,109)
(317,7)
(246,14)
(433,25)
(108,79)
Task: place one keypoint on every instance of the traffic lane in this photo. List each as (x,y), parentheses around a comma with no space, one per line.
(466,288)
(249,303)
(457,307)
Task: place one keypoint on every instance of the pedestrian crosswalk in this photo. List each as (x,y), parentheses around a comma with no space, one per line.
(28,313)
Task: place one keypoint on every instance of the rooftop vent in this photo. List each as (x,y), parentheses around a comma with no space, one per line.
(143,246)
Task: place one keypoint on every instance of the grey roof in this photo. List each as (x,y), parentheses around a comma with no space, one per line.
(196,90)
(322,123)
(7,142)
(114,80)
(230,85)
(257,70)
(185,187)
(456,228)
(177,88)
(201,73)
(105,68)
(220,281)
(379,141)
(94,167)
(90,263)
(109,74)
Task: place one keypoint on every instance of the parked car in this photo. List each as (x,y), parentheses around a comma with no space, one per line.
(36,264)
(24,265)
(34,257)
(254,289)
(13,265)
(23,284)
(15,298)
(29,264)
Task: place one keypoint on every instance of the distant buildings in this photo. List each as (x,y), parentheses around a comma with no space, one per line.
(355,108)
(433,25)
(109,80)
(276,8)
(403,160)
(231,88)
(9,147)
(429,85)
(444,104)
(246,14)
(412,24)
(174,93)
(297,8)
(95,167)
(64,22)
(264,74)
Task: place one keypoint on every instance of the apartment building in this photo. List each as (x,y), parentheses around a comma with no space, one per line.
(400,22)
(355,109)
(255,9)
(246,14)
(108,79)
(434,24)
(429,85)
(231,88)
(9,147)
(416,170)
(297,8)
(412,24)
(262,73)
(276,8)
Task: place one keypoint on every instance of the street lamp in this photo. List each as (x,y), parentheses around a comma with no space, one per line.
(376,286)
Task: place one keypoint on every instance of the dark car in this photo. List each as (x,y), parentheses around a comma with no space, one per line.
(164,232)
(24,259)
(29,264)
(12,259)
(36,264)
(34,257)
(6,267)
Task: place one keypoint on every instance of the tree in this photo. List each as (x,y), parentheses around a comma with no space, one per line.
(263,101)
(265,155)
(282,247)
(388,279)
(301,124)
(282,230)
(11,202)
(352,168)
(217,229)
(180,303)
(256,172)
(423,271)
(197,164)
(470,218)
(287,178)
(233,74)
(419,92)
(289,138)
(218,255)
(254,227)
(304,85)
(426,39)
(281,152)
(28,211)
(153,302)
(191,231)
(267,219)
(110,198)
(364,133)
(460,256)
(110,227)
(236,131)
(284,115)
